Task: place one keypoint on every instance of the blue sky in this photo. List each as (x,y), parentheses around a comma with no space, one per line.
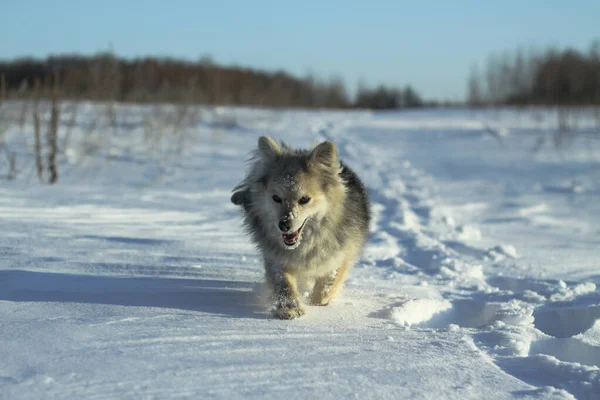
(430,44)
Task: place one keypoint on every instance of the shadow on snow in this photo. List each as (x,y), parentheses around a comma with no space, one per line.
(224,298)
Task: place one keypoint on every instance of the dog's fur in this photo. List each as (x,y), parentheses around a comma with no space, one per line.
(309,215)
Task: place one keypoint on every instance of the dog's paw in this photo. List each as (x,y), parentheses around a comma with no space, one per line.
(288,308)
(320,298)
(288,312)
(319,302)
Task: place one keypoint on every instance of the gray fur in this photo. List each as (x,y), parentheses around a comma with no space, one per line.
(333,227)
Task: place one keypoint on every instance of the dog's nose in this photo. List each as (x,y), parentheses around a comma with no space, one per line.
(284,226)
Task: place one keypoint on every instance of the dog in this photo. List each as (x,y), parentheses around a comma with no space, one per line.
(308,214)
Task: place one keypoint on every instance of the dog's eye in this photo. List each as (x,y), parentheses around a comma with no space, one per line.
(304,200)
(276,199)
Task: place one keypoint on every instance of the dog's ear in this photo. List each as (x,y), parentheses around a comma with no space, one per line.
(238,198)
(268,147)
(324,154)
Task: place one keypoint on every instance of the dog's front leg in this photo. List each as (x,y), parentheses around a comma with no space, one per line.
(328,286)
(287,303)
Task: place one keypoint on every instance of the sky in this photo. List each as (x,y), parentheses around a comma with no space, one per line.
(431,45)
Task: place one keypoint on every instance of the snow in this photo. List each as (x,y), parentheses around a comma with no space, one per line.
(416,311)
(132,277)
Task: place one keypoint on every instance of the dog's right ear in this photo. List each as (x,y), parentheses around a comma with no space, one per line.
(268,147)
(239,198)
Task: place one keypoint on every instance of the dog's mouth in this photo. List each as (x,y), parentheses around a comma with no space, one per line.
(290,239)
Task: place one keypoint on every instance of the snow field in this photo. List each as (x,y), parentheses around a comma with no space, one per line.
(134,280)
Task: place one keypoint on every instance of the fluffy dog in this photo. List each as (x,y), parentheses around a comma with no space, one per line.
(309,216)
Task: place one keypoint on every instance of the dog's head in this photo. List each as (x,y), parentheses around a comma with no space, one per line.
(297,188)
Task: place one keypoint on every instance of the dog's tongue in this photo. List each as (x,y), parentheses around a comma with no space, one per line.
(290,236)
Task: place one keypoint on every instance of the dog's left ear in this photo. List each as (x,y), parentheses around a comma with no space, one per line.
(324,154)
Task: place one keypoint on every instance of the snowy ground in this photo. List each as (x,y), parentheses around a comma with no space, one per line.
(131,278)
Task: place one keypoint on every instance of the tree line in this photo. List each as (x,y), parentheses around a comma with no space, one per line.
(384,98)
(108,77)
(551,77)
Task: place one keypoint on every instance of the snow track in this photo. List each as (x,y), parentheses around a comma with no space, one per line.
(505,315)
(479,280)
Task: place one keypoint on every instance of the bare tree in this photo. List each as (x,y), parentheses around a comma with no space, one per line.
(475,93)
(39,162)
(53,132)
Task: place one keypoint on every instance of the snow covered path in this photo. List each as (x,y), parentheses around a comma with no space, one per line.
(479,281)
